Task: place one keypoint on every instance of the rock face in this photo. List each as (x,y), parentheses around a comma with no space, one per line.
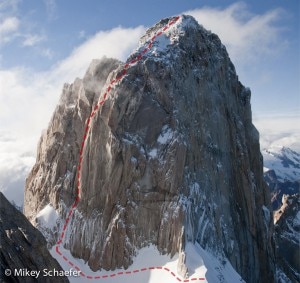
(278,188)
(287,235)
(23,247)
(171,157)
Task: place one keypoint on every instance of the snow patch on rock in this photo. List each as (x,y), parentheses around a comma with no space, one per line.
(47,217)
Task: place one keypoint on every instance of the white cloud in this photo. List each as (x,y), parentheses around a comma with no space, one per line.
(9,23)
(8,28)
(33,39)
(279,130)
(246,36)
(113,43)
(16,160)
(16,27)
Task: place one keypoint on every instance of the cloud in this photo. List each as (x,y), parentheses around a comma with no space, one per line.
(9,23)
(33,39)
(112,43)
(16,160)
(17,29)
(246,36)
(8,28)
(28,99)
(279,130)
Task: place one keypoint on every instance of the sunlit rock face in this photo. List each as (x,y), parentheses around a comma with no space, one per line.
(172,157)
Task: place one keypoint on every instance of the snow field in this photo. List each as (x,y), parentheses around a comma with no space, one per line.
(202,266)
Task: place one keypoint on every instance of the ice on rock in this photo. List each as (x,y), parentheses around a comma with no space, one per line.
(166,135)
(153,153)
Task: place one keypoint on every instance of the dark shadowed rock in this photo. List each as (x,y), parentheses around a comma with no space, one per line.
(22,246)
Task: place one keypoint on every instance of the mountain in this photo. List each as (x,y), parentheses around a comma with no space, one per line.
(24,249)
(281,172)
(284,161)
(159,151)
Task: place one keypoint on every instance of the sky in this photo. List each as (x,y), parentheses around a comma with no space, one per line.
(45,43)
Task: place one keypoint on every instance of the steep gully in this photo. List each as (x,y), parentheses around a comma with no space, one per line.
(101,101)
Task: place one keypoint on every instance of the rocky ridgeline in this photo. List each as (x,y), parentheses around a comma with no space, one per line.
(172,157)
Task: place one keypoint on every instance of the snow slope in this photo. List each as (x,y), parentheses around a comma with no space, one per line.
(203,267)
(284,161)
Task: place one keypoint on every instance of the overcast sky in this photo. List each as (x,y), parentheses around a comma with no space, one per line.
(48,42)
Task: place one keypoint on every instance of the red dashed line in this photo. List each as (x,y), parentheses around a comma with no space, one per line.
(85,136)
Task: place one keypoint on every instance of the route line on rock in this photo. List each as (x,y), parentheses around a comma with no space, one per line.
(101,101)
